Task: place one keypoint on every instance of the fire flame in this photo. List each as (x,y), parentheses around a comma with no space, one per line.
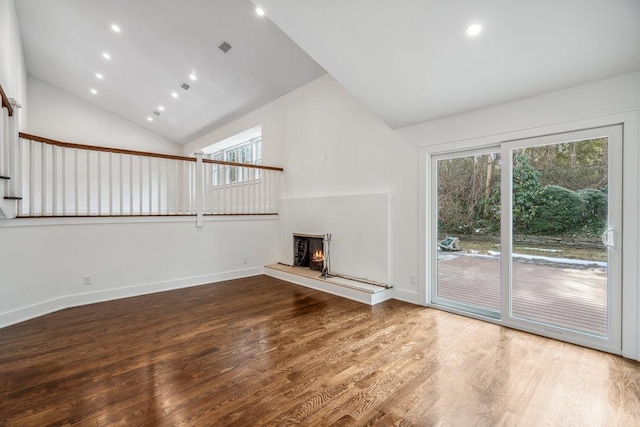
(317,256)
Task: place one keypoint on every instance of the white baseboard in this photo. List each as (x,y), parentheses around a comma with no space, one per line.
(67,301)
(406,296)
(379,297)
(75,300)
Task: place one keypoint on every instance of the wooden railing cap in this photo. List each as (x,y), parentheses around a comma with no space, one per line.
(5,101)
(138,153)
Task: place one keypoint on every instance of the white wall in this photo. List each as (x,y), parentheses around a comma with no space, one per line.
(596,99)
(44,261)
(13,71)
(360,227)
(59,115)
(329,144)
(608,102)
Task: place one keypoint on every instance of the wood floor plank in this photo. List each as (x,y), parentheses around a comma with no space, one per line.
(261,351)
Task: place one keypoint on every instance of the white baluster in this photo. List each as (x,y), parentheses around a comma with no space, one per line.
(43,180)
(150,186)
(272,193)
(245,182)
(130,184)
(32,178)
(207,187)
(184,187)
(121,182)
(88,182)
(75,181)
(54,180)
(227,190)
(99,183)
(64,180)
(140,184)
(261,193)
(199,190)
(167,191)
(110,186)
(4,141)
(159,175)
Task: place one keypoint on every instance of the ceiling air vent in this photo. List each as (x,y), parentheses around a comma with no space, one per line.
(224,47)
(157,113)
(184,86)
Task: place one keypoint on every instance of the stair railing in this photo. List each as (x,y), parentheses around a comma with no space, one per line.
(10,156)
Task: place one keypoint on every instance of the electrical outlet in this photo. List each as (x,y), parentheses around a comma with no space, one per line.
(244,259)
(412,279)
(87,279)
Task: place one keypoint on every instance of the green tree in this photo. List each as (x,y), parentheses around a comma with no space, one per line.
(526,193)
(594,214)
(560,211)
(574,165)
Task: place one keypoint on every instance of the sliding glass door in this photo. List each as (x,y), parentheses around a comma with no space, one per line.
(529,233)
(565,229)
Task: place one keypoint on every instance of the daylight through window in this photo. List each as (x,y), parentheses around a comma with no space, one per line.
(249,152)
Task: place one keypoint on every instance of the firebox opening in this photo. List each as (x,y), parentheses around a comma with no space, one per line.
(308,251)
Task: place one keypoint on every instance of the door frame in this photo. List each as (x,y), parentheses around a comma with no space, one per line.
(630,204)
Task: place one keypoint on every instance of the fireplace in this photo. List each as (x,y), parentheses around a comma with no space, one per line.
(308,251)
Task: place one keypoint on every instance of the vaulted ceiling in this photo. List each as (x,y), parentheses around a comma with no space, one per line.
(409,61)
(160,44)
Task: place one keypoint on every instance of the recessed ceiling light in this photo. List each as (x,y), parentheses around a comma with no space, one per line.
(160,107)
(193,76)
(150,119)
(175,95)
(474,29)
(260,11)
(115,28)
(105,55)
(93,91)
(99,76)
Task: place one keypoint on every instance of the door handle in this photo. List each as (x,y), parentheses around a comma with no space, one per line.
(608,242)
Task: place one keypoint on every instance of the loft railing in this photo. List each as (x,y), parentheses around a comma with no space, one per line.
(9,154)
(65,179)
(233,188)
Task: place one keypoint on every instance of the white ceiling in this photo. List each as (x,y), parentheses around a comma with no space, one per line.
(411,61)
(161,42)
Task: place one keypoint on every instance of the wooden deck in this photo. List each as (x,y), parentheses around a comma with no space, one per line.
(573,298)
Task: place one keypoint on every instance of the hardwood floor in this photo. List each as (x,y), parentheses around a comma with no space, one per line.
(260,351)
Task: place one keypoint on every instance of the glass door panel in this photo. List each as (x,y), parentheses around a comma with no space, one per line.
(468,232)
(565,213)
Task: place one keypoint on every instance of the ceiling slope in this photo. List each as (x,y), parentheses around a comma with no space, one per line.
(411,61)
(160,43)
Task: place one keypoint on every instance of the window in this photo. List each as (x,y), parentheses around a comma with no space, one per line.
(249,152)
